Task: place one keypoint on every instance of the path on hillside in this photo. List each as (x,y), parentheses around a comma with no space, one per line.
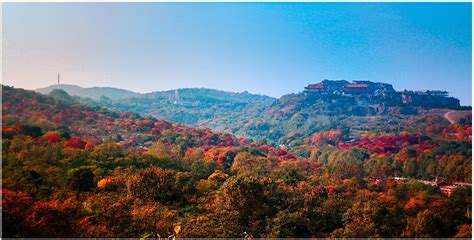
(447,115)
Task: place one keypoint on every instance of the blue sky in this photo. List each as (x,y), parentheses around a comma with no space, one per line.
(267,48)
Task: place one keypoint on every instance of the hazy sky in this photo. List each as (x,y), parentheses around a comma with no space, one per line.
(268,48)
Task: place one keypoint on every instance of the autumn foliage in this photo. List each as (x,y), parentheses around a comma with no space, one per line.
(73,170)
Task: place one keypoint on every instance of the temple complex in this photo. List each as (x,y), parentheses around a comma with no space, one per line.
(376,92)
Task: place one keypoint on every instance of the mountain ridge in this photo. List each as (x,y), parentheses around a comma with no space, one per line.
(89,92)
(73,90)
(324,106)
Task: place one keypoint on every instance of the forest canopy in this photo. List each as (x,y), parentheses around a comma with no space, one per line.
(77,170)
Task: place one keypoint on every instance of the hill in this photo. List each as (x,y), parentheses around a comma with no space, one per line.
(192,106)
(94,93)
(75,170)
(329,105)
(189,106)
(304,114)
(60,112)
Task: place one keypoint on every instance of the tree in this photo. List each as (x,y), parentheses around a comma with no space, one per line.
(329,215)
(243,194)
(16,207)
(379,167)
(290,224)
(52,136)
(32,131)
(75,142)
(245,163)
(220,223)
(107,152)
(426,224)
(106,183)
(162,150)
(153,218)
(370,219)
(82,179)
(157,184)
(218,176)
(111,216)
(347,164)
(55,218)
(106,156)
(406,154)
(329,137)
(202,168)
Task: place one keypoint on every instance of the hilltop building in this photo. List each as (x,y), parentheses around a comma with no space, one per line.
(326,87)
(343,87)
(377,92)
(316,88)
(438,93)
(356,89)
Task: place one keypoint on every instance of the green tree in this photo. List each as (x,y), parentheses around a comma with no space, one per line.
(82,179)
(370,219)
(347,164)
(290,224)
(202,168)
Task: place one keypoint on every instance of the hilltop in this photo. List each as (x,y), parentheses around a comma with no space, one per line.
(94,93)
(376,94)
(330,105)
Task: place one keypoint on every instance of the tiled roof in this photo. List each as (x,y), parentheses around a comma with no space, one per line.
(357,85)
(316,85)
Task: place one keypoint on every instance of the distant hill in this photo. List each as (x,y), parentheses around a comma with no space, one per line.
(60,112)
(192,106)
(93,92)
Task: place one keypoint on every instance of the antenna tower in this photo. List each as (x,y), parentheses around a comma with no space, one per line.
(176,96)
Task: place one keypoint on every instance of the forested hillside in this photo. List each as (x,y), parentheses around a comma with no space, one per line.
(284,121)
(74,170)
(190,106)
(193,106)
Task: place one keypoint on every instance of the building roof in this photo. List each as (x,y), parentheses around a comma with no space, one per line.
(357,85)
(316,85)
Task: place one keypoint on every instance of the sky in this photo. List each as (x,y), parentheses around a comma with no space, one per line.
(266,48)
